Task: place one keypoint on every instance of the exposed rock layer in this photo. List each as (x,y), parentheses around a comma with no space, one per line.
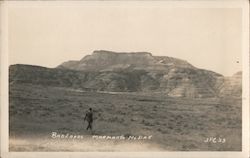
(131,72)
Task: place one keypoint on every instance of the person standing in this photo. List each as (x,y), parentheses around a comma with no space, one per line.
(89,118)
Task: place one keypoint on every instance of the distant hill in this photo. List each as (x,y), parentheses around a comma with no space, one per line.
(232,86)
(109,61)
(131,72)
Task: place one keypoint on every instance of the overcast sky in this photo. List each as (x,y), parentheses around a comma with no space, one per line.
(207,38)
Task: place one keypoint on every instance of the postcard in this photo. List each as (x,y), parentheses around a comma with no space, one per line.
(125,79)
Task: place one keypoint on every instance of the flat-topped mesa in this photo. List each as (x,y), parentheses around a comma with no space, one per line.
(103,60)
(132,72)
(115,57)
(106,52)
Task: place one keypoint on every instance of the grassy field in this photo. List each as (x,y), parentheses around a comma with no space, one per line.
(176,124)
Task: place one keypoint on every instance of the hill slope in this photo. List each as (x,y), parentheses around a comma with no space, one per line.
(130,72)
(232,86)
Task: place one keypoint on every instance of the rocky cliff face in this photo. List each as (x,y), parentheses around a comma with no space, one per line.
(130,72)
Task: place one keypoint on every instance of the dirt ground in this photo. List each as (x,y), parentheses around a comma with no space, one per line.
(175,124)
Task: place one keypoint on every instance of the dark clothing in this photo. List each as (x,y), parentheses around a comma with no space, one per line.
(89,118)
(89,126)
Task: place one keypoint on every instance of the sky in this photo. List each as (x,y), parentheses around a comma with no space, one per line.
(208,38)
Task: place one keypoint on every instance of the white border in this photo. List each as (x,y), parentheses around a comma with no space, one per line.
(4,78)
(194,4)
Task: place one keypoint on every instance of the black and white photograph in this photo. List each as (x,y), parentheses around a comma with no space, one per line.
(126,77)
